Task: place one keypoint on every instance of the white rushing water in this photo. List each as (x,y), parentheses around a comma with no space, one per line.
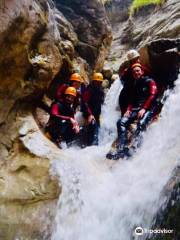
(98,202)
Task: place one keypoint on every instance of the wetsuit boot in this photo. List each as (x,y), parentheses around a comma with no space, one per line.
(122,146)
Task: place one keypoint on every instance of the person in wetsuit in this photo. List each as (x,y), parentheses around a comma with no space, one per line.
(126,77)
(62,124)
(75,81)
(139,108)
(93,98)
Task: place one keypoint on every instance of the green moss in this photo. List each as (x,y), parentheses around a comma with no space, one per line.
(137,4)
(105,1)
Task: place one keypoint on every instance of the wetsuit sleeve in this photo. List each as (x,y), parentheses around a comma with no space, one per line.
(55,112)
(124,75)
(152,94)
(60,91)
(123,67)
(129,108)
(124,72)
(86,98)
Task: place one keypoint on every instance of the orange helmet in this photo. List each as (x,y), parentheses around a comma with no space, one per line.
(137,65)
(76,77)
(71,91)
(97,77)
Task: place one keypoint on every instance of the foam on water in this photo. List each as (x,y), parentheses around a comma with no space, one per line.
(102,203)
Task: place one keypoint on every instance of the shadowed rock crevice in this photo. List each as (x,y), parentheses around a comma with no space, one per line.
(163,59)
(117,10)
(92,28)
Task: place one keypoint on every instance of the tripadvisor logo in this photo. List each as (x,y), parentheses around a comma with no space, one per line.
(139,231)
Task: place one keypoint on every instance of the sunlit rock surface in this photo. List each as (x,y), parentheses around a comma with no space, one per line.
(37,43)
(145,26)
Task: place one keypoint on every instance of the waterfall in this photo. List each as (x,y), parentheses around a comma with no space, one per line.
(102,203)
(110,109)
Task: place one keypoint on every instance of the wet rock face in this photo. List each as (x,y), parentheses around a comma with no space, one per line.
(117,10)
(92,28)
(26,185)
(22,35)
(37,43)
(163,59)
(168,215)
(162,22)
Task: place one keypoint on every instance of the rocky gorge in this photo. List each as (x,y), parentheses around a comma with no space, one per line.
(37,43)
(42,42)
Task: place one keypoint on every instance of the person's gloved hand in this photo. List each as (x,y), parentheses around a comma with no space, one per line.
(75,125)
(127,114)
(76,128)
(91,118)
(141,113)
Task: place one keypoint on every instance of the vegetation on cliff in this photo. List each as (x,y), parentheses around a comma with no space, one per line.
(137,4)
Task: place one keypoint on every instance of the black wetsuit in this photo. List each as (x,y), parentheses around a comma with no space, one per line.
(144,93)
(127,90)
(93,98)
(61,126)
(128,82)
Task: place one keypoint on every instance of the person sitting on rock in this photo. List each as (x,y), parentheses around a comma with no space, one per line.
(74,81)
(139,109)
(93,98)
(126,77)
(62,124)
